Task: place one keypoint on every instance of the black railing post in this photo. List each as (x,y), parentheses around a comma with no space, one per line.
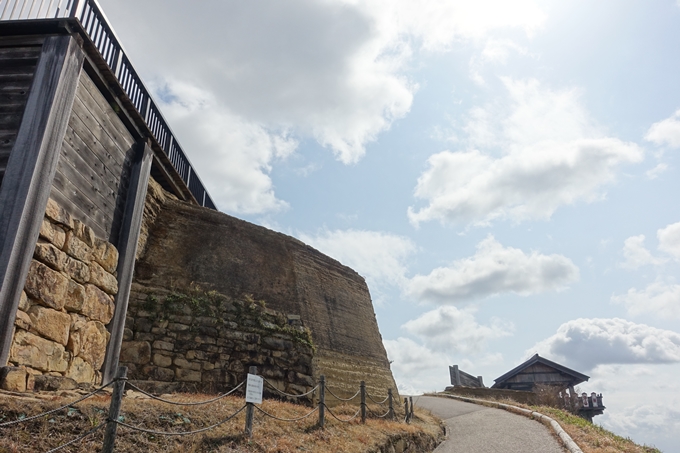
(74,8)
(322,401)
(410,414)
(406,410)
(390,414)
(114,409)
(362,387)
(250,409)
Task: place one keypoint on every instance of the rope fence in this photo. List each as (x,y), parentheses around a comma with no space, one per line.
(120,384)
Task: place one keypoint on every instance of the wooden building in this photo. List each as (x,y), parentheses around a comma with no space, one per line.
(78,130)
(538,370)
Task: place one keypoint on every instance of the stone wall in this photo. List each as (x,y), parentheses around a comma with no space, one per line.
(204,341)
(183,245)
(60,328)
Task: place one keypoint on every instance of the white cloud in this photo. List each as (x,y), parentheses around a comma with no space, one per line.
(660,298)
(379,257)
(642,402)
(492,270)
(456,331)
(331,70)
(636,254)
(656,171)
(666,132)
(552,155)
(416,368)
(238,154)
(669,240)
(587,343)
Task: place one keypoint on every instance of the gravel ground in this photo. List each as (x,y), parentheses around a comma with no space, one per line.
(480,429)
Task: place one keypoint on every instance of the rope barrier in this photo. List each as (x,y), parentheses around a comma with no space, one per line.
(341,420)
(79,438)
(289,394)
(380,416)
(343,399)
(287,419)
(177,403)
(377,402)
(181,433)
(28,419)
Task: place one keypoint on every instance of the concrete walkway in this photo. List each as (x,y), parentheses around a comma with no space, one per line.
(480,429)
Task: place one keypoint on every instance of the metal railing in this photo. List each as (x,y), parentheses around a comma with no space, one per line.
(97,28)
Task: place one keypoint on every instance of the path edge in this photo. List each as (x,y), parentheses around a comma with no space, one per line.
(566,439)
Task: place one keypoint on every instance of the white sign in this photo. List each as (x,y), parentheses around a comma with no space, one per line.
(254,388)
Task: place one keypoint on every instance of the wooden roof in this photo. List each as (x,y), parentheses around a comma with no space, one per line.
(574,377)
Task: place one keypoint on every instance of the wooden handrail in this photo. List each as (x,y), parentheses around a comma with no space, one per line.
(95,24)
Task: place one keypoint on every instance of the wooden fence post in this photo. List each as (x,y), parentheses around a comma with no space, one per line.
(406,410)
(410,414)
(114,410)
(390,414)
(322,401)
(362,387)
(250,409)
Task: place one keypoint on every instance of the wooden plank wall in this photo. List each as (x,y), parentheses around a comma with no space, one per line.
(18,60)
(92,174)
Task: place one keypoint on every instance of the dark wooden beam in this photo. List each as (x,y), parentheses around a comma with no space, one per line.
(127,249)
(31,168)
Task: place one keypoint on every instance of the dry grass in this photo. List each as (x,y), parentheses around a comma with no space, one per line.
(268,435)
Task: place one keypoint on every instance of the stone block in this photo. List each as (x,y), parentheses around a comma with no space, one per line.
(58,215)
(158,373)
(162,360)
(77,270)
(75,297)
(46,285)
(137,352)
(80,371)
(13,379)
(36,352)
(127,334)
(184,363)
(77,248)
(51,324)
(24,304)
(195,355)
(185,375)
(163,345)
(277,344)
(177,327)
(50,383)
(104,280)
(97,305)
(84,233)
(22,321)
(106,255)
(93,340)
(50,255)
(52,233)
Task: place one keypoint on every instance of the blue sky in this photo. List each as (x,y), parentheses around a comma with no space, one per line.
(504,174)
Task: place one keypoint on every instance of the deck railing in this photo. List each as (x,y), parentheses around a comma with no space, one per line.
(95,24)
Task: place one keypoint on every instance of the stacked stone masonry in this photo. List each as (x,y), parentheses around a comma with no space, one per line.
(60,328)
(204,341)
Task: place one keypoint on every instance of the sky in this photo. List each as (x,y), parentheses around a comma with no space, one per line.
(504,174)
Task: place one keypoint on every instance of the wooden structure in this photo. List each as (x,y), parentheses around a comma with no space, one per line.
(461,378)
(538,370)
(76,125)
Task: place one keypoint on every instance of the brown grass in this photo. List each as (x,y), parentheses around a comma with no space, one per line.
(268,435)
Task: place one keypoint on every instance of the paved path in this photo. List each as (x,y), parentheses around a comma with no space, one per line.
(481,429)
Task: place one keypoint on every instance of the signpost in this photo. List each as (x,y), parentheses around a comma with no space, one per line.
(254,388)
